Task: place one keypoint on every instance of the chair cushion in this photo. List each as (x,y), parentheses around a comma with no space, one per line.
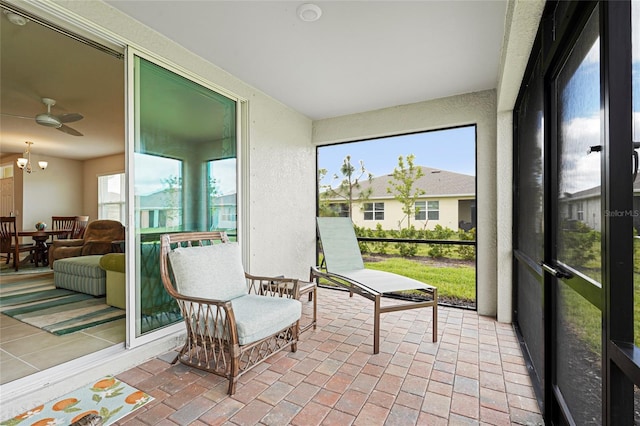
(258,317)
(209,272)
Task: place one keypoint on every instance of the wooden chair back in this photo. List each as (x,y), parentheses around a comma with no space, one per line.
(63,222)
(9,243)
(8,234)
(79,226)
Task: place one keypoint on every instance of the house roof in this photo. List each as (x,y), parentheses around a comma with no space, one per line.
(435,182)
(158,200)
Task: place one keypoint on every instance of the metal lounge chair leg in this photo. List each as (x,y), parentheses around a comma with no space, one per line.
(376,325)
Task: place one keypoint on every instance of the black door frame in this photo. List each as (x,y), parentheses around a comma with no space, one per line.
(560,25)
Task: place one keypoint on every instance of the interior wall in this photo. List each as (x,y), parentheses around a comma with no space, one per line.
(472,108)
(93,168)
(55,191)
(18,179)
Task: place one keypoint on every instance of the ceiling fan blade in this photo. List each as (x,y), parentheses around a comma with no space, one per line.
(70,118)
(66,129)
(16,116)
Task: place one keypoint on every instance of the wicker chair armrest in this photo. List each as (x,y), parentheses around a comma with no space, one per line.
(273,286)
(202,300)
(68,243)
(208,319)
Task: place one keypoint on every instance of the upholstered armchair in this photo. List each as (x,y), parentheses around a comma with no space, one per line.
(98,239)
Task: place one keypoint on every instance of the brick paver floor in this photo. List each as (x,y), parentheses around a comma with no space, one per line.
(473,374)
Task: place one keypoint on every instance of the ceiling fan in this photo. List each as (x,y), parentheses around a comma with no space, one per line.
(56,121)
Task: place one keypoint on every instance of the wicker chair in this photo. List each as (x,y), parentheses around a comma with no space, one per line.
(234,320)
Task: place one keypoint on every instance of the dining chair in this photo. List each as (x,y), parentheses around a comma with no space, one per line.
(79,226)
(9,242)
(60,223)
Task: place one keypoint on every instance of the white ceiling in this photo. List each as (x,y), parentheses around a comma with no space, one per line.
(359,56)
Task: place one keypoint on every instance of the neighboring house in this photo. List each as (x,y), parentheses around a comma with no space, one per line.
(160,210)
(223,213)
(585,206)
(163,210)
(449,201)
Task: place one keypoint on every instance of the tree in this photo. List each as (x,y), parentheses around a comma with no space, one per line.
(173,193)
(324,208)
(404,177)
(349,184)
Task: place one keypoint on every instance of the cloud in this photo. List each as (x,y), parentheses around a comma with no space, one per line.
(579,170)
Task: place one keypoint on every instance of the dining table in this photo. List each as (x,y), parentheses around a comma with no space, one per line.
(41,250)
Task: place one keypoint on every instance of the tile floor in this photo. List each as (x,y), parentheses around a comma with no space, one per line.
(21,345)
(474,374)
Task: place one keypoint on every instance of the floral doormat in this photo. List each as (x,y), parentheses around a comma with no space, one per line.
(109,398)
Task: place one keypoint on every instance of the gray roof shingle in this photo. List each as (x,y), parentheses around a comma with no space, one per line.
(435,182)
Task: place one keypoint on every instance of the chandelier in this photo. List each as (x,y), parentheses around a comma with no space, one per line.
(24,162)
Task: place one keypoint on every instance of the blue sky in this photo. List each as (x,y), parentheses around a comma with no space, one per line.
(451,149)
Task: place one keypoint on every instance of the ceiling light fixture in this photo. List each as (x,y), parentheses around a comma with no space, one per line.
(15,19)
(309,12)
(25,162)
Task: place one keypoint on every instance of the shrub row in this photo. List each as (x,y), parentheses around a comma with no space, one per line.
(410,249)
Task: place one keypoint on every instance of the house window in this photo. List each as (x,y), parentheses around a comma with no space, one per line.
(373,211)
(222,199)
(433,210)
(580,211)
(421,210)
(111,197)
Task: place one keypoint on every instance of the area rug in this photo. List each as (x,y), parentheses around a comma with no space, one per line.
(36,301)
(109,398)
(23,268)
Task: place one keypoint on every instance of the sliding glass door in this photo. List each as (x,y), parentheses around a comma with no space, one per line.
(182,166)
(576,214)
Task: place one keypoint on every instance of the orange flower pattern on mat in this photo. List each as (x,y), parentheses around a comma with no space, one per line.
(67,405)
(109,398)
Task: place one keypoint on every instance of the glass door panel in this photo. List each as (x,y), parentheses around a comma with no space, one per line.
(635,73)
(184,164)
(576,263)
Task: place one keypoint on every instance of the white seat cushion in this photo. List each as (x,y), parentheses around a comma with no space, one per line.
(210,272)
(258,317)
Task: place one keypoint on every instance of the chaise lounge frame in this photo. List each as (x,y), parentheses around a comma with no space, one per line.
(343,267)
(212,343)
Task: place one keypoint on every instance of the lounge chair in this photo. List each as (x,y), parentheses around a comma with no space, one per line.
(234,320)
(343,266)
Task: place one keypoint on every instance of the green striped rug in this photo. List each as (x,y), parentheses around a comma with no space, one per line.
(35,300)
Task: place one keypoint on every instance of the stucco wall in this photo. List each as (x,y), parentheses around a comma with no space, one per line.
(393,215)
(472,108)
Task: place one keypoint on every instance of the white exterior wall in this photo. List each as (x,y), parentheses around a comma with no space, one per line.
(393,215)
(472,108)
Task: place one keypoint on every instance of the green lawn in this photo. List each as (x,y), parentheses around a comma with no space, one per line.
(457,282)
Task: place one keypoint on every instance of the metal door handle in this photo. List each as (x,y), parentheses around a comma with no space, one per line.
(555,271)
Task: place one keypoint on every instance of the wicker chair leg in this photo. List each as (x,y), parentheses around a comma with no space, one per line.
(232,385)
